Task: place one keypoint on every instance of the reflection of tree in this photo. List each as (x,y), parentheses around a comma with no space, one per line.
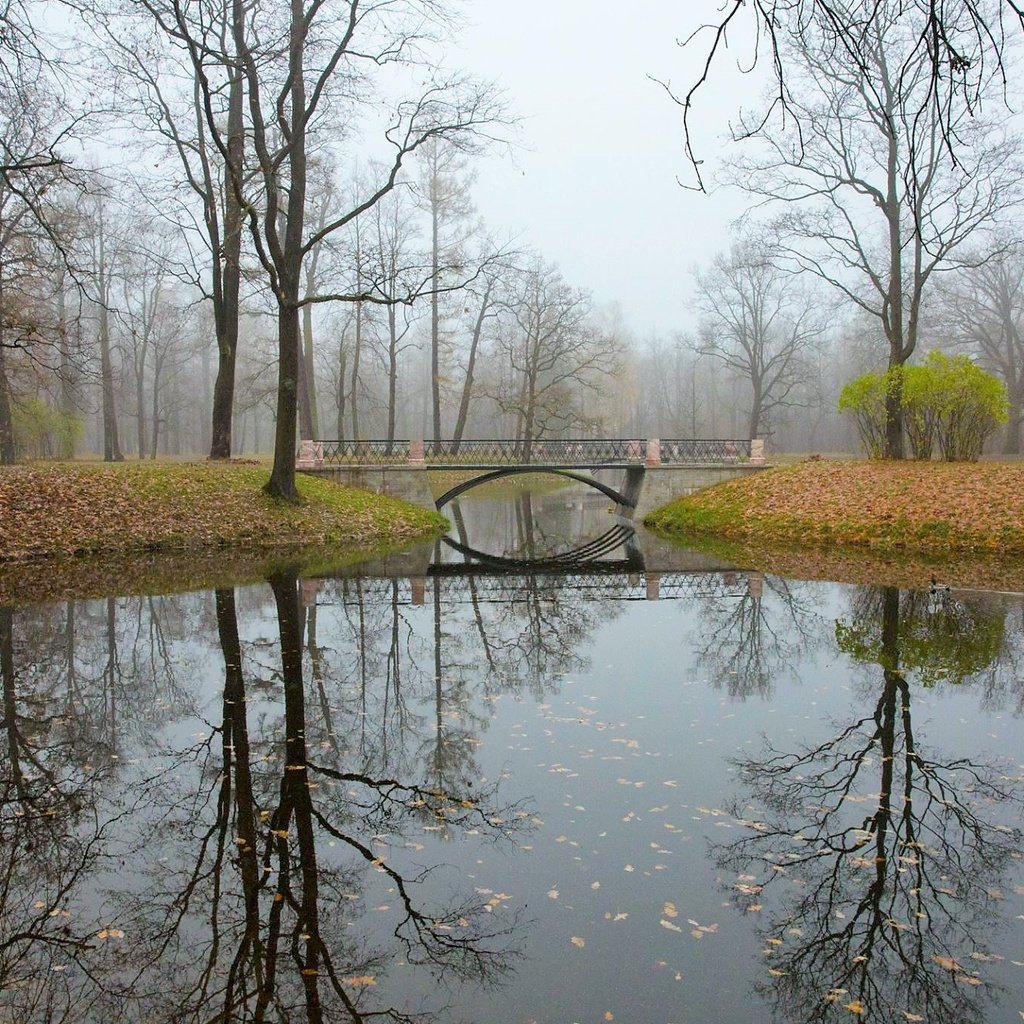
(939,636)
(885,861)
(748,639)
(250,917)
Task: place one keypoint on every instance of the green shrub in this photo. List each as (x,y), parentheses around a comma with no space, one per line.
(969,404)
(40,431)
(947,400)
(865,398)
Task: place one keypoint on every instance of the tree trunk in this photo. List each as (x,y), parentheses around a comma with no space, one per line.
(894,421)
(392,372)
(1011,445)
(111,444)
(435,315)
(8,451)
(342,358)
(467,384)
(308,362)
(226,316)
(282,476)
(353,396)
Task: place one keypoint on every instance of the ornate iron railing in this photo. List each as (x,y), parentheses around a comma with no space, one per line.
(688,450)
(499,452)
(365,453)
(561,452)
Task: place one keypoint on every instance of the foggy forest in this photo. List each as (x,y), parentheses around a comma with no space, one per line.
(204,206)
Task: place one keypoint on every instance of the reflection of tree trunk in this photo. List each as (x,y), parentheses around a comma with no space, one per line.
(110,670)
(237,755)
(295,798)
(460,528)
(438,689)
(10,696)
(316,660)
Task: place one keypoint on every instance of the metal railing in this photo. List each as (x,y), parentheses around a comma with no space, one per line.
(547,452)
(686,450)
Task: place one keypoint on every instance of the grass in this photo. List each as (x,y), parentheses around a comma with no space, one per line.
(929,509)
(59,510)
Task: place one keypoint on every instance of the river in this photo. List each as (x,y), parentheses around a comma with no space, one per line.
(545,771)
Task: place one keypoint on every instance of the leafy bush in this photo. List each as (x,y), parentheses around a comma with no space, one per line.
(865,398)
(947,400)
(969,404)
(41,431)
(919,408)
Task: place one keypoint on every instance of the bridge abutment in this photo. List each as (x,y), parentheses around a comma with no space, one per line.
(409,483)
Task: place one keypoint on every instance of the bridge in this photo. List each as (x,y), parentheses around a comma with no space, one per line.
(456,584)
(637,474)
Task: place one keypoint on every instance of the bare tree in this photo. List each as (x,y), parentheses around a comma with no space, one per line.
(321,68)
(959,50)
(983,308)
(759,323)
(552,355)
(873,205)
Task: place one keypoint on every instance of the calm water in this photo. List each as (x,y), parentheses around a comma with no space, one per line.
(508,794)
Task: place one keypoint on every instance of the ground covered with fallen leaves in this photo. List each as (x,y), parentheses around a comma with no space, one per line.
(60,510)
(933,508)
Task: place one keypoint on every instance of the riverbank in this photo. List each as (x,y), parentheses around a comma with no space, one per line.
(931,509)
(61,510)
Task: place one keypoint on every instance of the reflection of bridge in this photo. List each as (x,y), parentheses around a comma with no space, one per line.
(456,584)
(655,470)
(618,536)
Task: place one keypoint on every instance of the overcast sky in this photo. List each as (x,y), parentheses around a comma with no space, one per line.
(594,187)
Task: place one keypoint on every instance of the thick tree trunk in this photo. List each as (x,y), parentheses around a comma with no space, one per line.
(308,363)
(282,475)
(894,422)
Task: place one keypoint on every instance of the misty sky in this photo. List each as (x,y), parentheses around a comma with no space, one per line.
(594,186)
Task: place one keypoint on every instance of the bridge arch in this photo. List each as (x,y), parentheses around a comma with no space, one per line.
(467,485)
(585,555)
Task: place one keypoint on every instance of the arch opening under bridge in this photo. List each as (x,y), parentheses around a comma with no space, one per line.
(625,500)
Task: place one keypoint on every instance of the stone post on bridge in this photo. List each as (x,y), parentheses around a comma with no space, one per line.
(311,455)
(417,454)
(757,451)
(653,452)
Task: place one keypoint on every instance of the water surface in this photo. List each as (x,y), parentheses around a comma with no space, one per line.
(634,786)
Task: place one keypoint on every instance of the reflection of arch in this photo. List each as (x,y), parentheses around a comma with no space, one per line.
(467,485)
(611,539)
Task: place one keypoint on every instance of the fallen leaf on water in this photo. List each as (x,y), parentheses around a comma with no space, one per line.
(854,1007)
(577,941)
(912,1016)
(674,927)
(552,894)
(360,981)
(669,910)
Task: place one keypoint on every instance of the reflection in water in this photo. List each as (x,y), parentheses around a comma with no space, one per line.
(885,859)
(367,797)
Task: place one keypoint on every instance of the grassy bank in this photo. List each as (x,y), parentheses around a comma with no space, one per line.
(63,510)
(930,509)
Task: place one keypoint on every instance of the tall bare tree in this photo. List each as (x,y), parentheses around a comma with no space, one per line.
(872,204)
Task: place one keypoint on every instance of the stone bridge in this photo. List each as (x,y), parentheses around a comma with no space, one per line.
(637,474)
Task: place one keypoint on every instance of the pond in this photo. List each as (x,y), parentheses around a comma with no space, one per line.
(551,771)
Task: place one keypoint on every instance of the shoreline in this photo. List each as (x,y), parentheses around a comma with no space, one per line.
(65,512)
(897,511)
